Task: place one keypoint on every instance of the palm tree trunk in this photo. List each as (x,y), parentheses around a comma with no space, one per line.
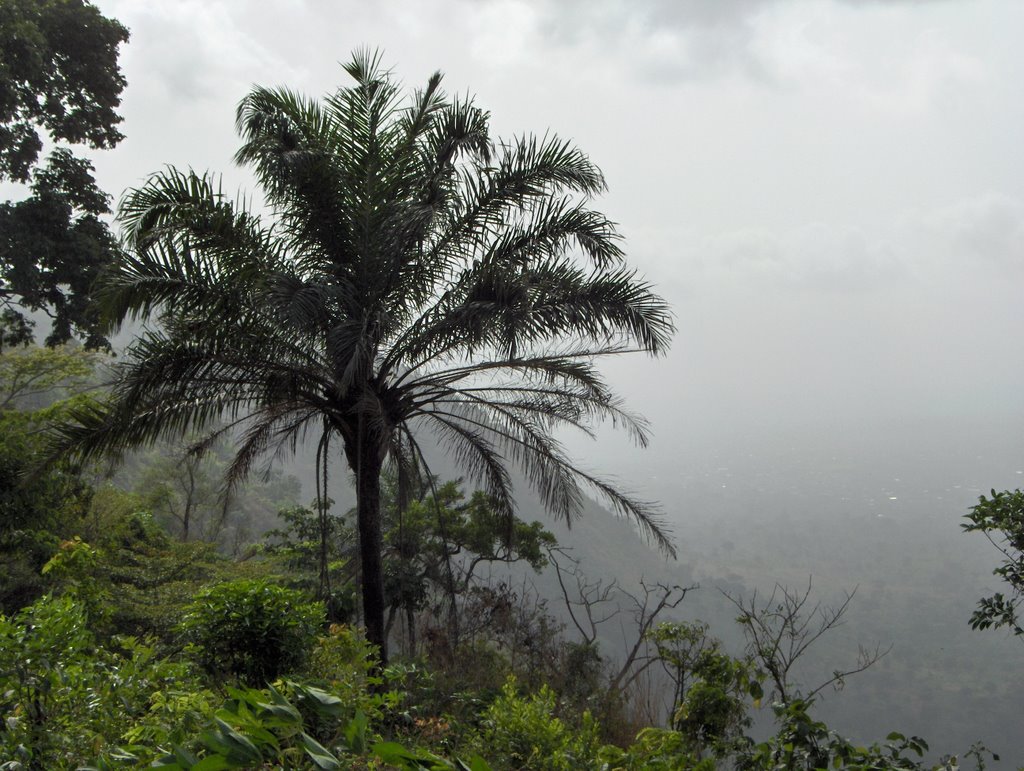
(325,572)
(371,546)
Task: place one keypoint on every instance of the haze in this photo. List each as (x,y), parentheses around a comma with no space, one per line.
(831,195)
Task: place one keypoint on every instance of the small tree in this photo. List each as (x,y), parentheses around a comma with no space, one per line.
(714,711)
(680,645)
(591,604)
(780,629)
(435,547)
(316,551)
(434,550)
(711,689)
(184,488)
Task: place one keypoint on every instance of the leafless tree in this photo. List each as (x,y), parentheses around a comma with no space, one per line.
(592,604)
(781,628)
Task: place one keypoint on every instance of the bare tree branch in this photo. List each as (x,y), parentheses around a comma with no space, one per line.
(783,627)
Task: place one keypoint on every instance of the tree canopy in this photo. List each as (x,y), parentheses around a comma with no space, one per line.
(59,83)
(58,75)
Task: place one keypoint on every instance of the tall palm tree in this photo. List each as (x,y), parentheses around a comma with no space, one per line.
(408,279)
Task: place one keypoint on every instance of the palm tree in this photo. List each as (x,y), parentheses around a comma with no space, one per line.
(407,279)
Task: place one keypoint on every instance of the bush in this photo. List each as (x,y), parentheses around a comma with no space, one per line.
(655,749)
(62,697)
(523,732)
(343,663)
(251,630)
(271,728)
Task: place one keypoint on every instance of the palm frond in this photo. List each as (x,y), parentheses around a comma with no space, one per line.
(276,427)
(646,514)
(550,472)
(412,274)
(478,456)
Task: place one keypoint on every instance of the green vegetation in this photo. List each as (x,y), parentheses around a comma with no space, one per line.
(1001,519)
(251,630)
(123,646)
(72,700)
(39,505)
(414,274)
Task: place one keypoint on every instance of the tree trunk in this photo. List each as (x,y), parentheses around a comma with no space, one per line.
(392,614)
(190,491)
(368,519)
(325,572)
(410,623)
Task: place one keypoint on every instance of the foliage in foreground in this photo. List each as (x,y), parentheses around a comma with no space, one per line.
(63,697)
(1001,519)
(69,702)
(292,725)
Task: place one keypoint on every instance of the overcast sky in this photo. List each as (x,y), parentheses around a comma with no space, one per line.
(831,194)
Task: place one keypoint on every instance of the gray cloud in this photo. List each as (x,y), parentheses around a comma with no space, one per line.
(955,244)
(783,223)
(989,229)
(815,257)
(865,3)
(195,50)
(573,19)
(669,41)
(680,41)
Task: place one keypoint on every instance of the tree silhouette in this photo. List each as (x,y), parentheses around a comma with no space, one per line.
(412,280)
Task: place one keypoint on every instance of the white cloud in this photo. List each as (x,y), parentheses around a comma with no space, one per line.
(502,31)
(194,50)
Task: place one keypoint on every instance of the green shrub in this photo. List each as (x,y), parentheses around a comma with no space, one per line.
(523,732)
(655,749)
(272,728)
(63,698)
(152,576)
(343,663)
(251,630)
